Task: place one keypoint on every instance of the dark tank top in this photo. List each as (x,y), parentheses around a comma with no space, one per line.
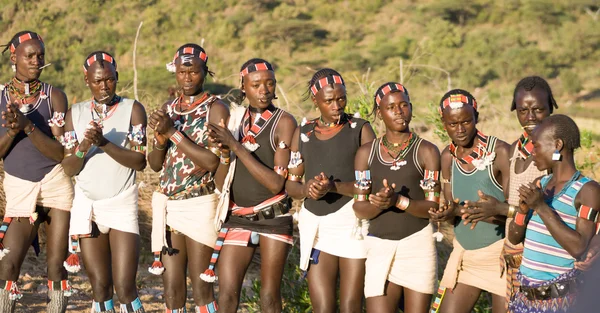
(23,159)
(246,191)
(393,223)
(334,157)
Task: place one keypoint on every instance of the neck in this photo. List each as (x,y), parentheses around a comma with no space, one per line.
(563,170)
(192,98)
(110,102)
(23,80)
(326,121)
(397,136)
(254,109)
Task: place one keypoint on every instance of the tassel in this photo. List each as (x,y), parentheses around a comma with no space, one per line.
(209,274)
(15,294)
(72,263)
(33,217)
(157,267)
(249,142)
(3,251)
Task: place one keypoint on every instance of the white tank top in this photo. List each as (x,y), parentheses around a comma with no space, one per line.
(102,177)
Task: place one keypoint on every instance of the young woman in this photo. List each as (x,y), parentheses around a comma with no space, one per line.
(473,165)
(183,209)
(323,149)
(556,220)
(258,202)
(397,182)
(105,144)
(37,189)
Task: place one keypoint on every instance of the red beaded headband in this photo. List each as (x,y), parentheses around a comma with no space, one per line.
(328,80)
(264,66)
(99,56)
(386,89)
(22,39)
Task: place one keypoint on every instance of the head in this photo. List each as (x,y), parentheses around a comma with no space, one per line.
(190,67)
(555,133)
(392,104)
(258,83)
(27,53)
(459,116)
(533,101)
(101,75)
(327,91)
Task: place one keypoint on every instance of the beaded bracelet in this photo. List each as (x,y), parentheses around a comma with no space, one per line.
(31,131)
(294,177)
(432,196)
(361,197)
(80,154)
(282,171)
(140,149)
(176,138)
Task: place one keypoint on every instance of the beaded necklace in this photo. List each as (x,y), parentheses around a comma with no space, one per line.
(400,153)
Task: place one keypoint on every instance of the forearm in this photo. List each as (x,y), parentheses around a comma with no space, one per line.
(156,158)
(295,190)
(343,188)
(568,238)
(49,147)
(220,175)
(516,233)
(127,158)
(72,165)
(364,209)
(201,157)
(5,143)
(266,176)
(420,208)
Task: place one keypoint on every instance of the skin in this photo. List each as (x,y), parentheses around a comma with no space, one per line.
(576,241)
(460,125)
(395,110)
(190,254)
(260,89)
(531,108)
(110,259)
(322,277)
(28,57)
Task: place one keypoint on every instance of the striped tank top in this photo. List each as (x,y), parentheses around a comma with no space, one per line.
(544,258)
(464,187)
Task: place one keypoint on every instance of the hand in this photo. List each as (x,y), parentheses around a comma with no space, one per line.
(485,207)
(590,257)
(16,121)
(161,139)
(94,135)
(85,145)
(445,212)
(530,197)
(385,197)
(220,135)
(320,187)
(161,123)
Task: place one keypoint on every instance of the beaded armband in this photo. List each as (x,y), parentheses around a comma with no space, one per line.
(294,177)
(176,138)
(520,219)
(363,180)
(430,180)
(137,134)
(282,171)
(588,213)
(68,139)
(432,196)
(140,149)
(216,151)
(80,154)
(361,197)
(295,159)
(58,120)
(402,203)
(225,157)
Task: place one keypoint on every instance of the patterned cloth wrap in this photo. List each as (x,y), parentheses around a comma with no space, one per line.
(521,304)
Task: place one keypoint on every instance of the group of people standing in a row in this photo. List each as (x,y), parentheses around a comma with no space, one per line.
(227,175)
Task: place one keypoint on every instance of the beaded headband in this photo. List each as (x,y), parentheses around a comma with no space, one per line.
(388,88)
(96,57)
(457,101)
(27,36)
(263,66)
(328,80)
(187,51)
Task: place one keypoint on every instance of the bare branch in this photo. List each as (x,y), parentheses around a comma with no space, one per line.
(135,76)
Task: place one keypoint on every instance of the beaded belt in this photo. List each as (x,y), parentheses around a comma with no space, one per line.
(556,290)
(269,212)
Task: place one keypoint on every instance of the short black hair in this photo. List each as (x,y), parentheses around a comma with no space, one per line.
(318,75)
(565,129)
(459,92)
(15,39)
(530,82)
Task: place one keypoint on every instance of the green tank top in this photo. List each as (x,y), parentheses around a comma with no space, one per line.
(464,187)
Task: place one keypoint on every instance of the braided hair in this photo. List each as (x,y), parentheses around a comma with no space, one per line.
(565,129)
(239,99)
(391,88)
(471,100)
(325,72)
(14,41)
(530,82)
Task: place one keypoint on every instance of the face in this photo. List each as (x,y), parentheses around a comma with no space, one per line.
(29,57)
(259,87)
(544,146)
(331,101)
(532,107)
(395,110)
(460,124)
(102,81)
(190,74)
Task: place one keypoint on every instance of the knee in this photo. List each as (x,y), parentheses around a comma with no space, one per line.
(126,290)
(102,288)
(56,270)
(351,305)
(203,293)
(270,301)
(9,269)
(228,300)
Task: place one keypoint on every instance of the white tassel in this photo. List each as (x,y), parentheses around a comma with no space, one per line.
(208,278)
(304,137)
(171,67)
(438,236)
(353,124)
(304,121)
(71,268)
(356,115)
(4,252)
(156,270)
(251,146)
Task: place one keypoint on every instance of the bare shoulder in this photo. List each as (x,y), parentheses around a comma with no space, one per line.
(427,148)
